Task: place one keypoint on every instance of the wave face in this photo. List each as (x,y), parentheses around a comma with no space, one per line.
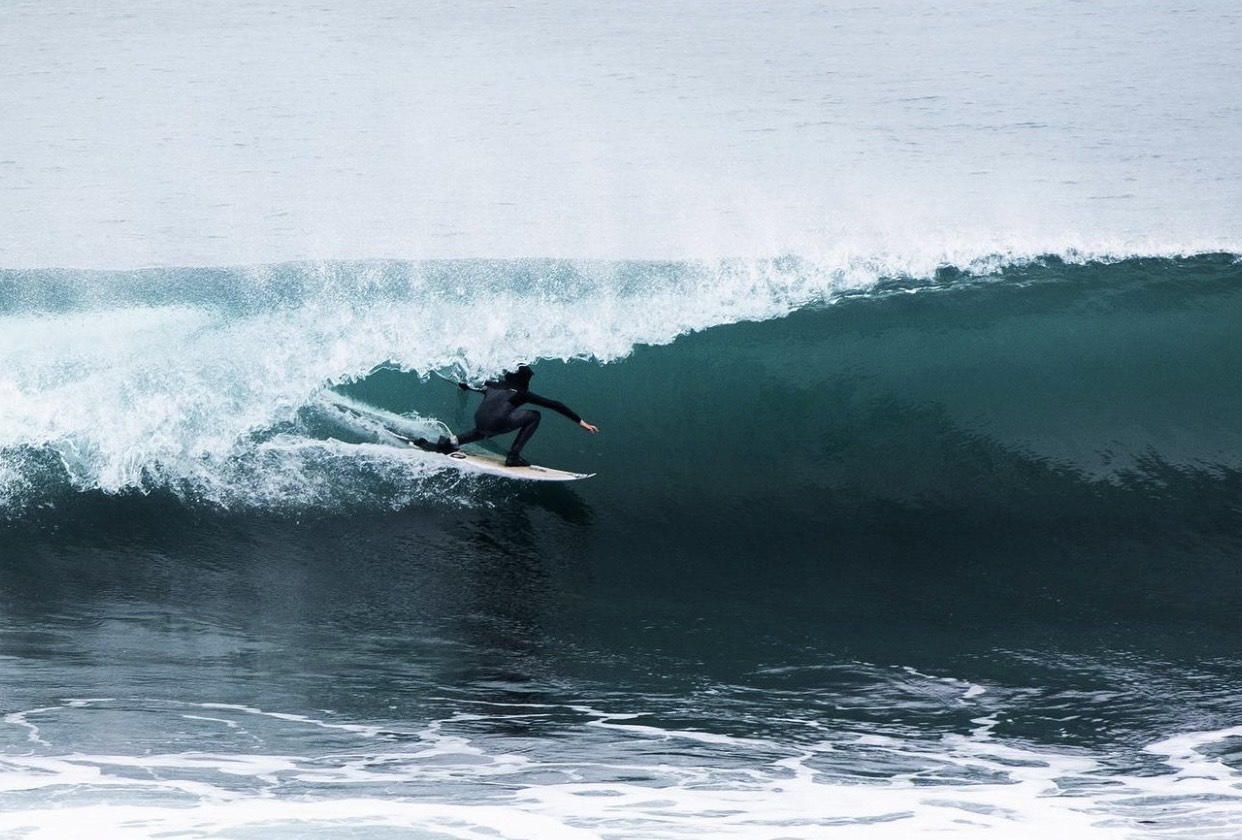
(1021,385)
(179,378)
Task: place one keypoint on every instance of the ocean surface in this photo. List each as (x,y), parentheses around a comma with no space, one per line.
(913,332)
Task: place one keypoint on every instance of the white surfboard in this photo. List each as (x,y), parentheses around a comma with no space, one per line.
(492,465)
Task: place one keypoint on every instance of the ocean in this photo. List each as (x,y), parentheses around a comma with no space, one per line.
(912,332)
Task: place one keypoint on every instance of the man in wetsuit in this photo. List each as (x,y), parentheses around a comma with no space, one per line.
(502,412)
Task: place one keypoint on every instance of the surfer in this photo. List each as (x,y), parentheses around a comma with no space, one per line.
(502,412)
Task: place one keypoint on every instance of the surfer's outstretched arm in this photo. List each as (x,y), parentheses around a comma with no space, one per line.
(554,405)
(559,408)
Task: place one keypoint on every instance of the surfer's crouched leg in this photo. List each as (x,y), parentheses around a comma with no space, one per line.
(527,422)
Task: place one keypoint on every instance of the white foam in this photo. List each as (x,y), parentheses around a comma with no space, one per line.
(154,795)
(640,782)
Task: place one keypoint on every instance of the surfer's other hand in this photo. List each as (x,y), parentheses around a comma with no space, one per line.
(584,424)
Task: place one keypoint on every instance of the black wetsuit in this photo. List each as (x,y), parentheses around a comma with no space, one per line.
(502,412)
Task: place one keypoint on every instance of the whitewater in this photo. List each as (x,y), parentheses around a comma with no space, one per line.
(911,330)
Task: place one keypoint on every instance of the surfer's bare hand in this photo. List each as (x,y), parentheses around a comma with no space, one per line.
(584,424)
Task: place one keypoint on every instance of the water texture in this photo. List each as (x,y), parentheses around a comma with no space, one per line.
(912,333)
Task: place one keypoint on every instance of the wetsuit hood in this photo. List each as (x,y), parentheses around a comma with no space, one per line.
(518,379)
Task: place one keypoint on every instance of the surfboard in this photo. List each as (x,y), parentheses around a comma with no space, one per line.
(493,465)
(378,425)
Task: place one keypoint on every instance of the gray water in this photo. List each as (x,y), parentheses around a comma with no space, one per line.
(238,132)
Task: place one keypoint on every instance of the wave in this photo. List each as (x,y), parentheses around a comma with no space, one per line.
(1018,369)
